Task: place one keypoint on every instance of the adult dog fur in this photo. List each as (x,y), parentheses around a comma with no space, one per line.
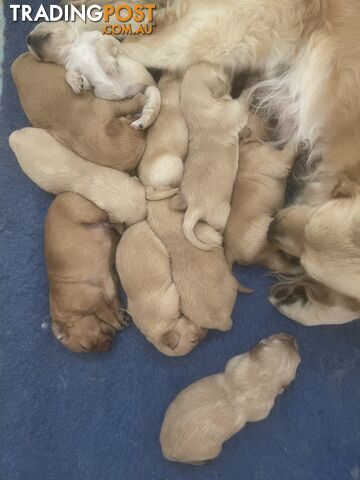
(153,300)
(80,251)
(56,169)
(95,129)
(210,411)
(307,49)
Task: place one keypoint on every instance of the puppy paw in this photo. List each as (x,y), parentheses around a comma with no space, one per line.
(138,125)
(76,81)
(284,295)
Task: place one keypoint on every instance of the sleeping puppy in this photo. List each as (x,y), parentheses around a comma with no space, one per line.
(93,60)
(56,169)
(153,300)
(214,120)
(210,411)
(326,240)
(206,287)
(161,168)
(79,250)
(95,129)
(258,194)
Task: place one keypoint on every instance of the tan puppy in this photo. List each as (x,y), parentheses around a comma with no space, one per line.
(56,169)
(214,121)
(97,130)
(206,287)
(210,411)
(161,168)
(79,250)
(258,194)
(143,265)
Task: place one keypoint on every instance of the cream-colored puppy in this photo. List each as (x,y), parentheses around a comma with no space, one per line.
(56,169)
(161,168)
(214,120)
(258,195)
(153,300)
(205,284)
(94,60)
(210,411)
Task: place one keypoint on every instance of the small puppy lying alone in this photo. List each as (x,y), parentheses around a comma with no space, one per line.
(95,129)
(56,169)
(210,411)
(205,284)
(143,265)
(161,168)
(92,59)
(80,250)
(258,195)
(214,120)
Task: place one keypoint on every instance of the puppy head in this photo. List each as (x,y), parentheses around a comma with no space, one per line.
(277,358)
(84,334)
(51,41)
(287,229)
(181,339)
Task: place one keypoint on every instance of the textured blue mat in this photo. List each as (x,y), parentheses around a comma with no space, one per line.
(97,417)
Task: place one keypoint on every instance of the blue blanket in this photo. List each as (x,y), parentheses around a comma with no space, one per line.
(97,417)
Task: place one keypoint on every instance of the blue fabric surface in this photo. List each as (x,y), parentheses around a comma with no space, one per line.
(98,417)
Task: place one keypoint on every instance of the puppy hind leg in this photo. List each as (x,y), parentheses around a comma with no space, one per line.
(151,109)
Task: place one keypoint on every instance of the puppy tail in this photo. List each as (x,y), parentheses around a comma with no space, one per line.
(151,109)
(153,194)
(190,221)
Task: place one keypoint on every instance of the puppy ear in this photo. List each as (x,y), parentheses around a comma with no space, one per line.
(178,203)
(171,339)
(113,127)
(345,188)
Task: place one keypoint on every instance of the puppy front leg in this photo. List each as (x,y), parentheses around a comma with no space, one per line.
(77,81)
(107,50)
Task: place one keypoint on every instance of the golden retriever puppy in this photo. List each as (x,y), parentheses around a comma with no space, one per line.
(153,300)
(56,169)
(258,194)
(161,168)
(214,120)
(205,284)
(80,251)
(93,60)
(325,240)
(97,130)
(210,411)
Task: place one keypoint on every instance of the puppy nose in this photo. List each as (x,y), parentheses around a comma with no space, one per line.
(29,39)
(273,230)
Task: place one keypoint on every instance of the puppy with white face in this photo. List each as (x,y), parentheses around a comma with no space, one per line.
(325,239)
(210,411)
(83,291)
(93,60)
(161,168)
(214,120)
(203,280)
(153,300)
(258,194)
(56,169)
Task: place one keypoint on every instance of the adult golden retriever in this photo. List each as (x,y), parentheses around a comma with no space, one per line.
(308,51)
